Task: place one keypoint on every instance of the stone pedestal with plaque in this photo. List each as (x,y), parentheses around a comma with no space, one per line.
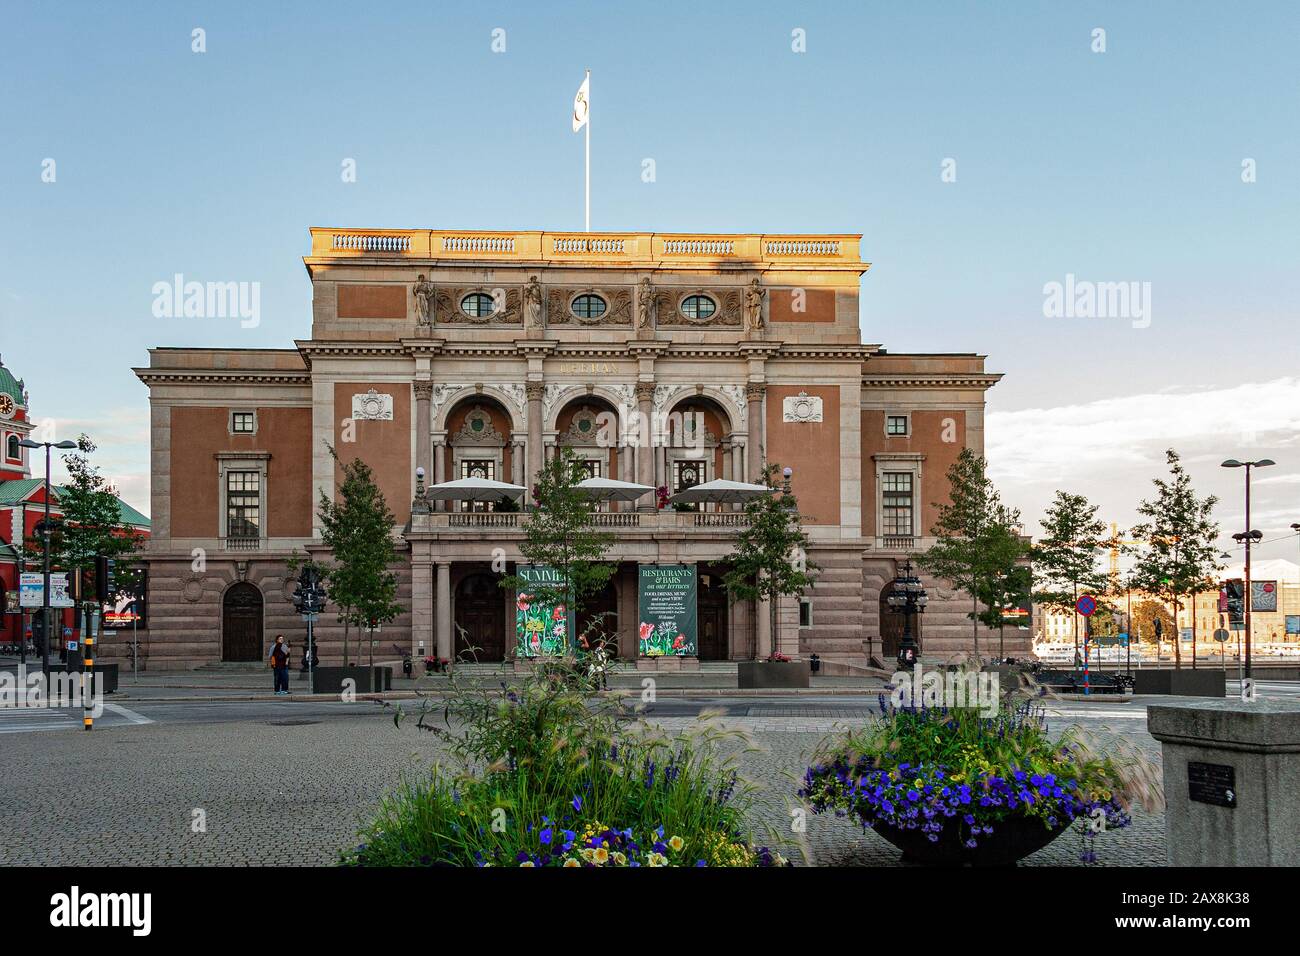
(1232,781)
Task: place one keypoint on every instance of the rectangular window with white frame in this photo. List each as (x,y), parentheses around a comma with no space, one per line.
(243,505)
(896,488)
(897,426)
(243,423)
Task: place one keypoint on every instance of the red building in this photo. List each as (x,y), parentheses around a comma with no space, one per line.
(22,501)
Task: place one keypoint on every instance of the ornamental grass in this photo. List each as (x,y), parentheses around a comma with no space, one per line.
(552,773)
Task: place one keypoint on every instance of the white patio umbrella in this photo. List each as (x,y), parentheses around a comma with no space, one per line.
(475,489)
(610,489)
(721,491)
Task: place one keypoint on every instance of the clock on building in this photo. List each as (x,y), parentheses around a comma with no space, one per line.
(7,406)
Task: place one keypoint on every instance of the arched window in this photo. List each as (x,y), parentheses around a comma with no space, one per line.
(698,307)
(478,305)
(13,451)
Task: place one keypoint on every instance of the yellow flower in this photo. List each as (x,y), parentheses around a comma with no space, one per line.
(676,842)
(571,862)
(601,855)
(528,863)
(620,859)
(657,859)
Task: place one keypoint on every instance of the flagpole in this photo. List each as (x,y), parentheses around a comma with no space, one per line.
(588,124)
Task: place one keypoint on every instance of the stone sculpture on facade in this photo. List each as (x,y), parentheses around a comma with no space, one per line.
(423,291)
(533,303)
(754,305)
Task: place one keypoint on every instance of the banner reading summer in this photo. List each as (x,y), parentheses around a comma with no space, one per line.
(667,616)
(541,629)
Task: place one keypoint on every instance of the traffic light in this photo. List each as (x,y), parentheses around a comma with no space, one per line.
(309,595)
(1235,588)
(103,579)
(1160,629)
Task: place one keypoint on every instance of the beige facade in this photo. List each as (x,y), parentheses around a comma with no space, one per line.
(660,359)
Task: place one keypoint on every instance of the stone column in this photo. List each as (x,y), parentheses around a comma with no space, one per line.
(440,465)
(763,628)
(423,427)
(535,390)
(645,393)
(516,461)
(443,610)
(754,393)
(421,609)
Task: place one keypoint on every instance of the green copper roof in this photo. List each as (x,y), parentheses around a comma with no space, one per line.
(12,492)
(9,385)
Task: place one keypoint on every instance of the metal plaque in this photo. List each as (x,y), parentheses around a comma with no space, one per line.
(1213,783)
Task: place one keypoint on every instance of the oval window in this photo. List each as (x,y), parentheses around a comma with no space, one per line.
(588,306)
(698,307)
(478,304)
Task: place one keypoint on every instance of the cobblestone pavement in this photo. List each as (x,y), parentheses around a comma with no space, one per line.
(294,788)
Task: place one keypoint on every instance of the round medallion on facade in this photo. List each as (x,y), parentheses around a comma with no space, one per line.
(192,589)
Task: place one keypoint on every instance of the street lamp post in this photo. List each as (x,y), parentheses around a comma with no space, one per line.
(1249,536)
(907,597)
(45,535)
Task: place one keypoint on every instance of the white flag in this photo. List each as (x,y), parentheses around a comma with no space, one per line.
(582,104)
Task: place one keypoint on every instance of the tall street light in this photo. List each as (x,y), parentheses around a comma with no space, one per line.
(1262,463)
(45,534)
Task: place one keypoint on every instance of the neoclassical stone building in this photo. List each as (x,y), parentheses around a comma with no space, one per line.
(479,353)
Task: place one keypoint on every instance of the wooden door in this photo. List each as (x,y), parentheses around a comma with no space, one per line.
(241,624)
(480,619)
(711,619)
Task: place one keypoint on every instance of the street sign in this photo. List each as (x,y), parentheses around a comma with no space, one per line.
(71,645)
(1221,635)
(1086,605)
(1123,640)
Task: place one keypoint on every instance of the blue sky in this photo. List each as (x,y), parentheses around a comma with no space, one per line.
(1117,166)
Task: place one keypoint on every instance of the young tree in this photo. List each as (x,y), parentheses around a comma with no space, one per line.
(358,530)
(978,536)
(1067,557)
(770,558)
(1011,587)
(1178,555)
(92,517)
(558,533)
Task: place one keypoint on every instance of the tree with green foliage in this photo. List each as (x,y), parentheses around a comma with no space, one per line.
(559,534)
(1009,588)
(770,558)
(91,525)
(1067,559)
(1145,615)
(1178,554)
(978,537)
(357,527)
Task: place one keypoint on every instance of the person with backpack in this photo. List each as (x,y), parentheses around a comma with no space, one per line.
(279,662)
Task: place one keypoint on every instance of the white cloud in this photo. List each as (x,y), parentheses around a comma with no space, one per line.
(1110,450)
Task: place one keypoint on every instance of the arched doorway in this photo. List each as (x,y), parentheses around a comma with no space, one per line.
(891,628)
(241,623)
(480,619)
(601,610)
(711,618)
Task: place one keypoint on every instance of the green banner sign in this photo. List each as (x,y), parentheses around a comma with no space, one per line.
(667,601)
(541,628)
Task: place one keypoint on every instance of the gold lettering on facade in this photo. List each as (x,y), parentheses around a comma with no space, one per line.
(588,368)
